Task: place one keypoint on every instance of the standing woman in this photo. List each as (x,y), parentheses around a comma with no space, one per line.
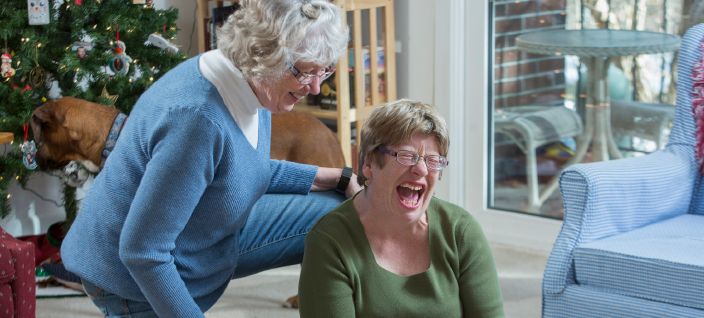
(394,250)
(180,207)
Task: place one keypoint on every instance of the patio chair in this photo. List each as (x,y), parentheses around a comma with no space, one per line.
(531,127)
(650,121)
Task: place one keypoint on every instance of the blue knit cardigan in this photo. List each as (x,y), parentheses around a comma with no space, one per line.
(161,222)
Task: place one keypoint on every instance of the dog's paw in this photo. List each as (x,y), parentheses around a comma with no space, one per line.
(292,302)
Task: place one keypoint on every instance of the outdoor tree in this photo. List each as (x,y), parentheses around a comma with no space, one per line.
(105,51)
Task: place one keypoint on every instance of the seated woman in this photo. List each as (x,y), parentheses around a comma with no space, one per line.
(393,250)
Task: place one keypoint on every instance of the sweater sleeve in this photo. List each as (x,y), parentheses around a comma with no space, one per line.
(182,148)
(479,283)
(291,177)
(324,288)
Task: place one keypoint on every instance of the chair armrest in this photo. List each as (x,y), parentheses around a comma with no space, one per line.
(21,256)
(607,198)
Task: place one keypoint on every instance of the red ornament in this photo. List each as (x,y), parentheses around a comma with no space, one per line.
(26,87)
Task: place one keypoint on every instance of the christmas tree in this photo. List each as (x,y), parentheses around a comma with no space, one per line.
(95,50)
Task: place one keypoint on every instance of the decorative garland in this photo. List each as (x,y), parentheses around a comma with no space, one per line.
(698,107)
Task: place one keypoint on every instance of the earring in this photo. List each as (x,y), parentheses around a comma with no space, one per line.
(367,182)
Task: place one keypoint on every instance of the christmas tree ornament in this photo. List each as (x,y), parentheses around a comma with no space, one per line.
(81,48)
(120,64)
(137,1)
(111,98)
(81,53)
(6,69)
(74,175)
(78,2)
(26,87)
(38,12)
(29,150)
(160,42)
(36,75)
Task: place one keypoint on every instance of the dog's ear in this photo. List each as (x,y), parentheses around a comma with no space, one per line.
(42,115)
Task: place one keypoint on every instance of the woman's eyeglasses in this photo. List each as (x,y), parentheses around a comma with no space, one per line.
(410,158)
(306,78)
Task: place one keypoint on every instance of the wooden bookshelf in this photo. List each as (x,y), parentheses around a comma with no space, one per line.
(202,14)
(6,137)
(344,114)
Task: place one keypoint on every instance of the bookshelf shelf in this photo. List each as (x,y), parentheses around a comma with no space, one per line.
(321,113)
(344,114)
(6,137)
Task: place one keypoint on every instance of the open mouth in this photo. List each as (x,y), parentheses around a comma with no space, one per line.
(410,194)
(297,97)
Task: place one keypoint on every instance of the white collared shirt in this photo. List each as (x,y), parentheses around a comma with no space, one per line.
(235,91)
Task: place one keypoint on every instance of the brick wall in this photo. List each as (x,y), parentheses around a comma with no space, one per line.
(522,78)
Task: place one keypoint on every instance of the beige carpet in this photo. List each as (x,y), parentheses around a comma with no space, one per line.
(520,276)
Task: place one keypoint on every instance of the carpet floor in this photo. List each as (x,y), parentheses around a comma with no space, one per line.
(261,295)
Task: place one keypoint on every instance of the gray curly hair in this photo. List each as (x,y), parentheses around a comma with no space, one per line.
(264,35)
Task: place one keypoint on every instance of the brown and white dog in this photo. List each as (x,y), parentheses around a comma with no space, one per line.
(72,129)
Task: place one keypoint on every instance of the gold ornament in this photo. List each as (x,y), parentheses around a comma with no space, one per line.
(111,98)
(368,182)
(36,75)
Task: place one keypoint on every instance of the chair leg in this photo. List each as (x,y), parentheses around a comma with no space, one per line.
(532,182)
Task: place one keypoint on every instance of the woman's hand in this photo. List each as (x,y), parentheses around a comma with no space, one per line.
(326,179)
(353,187)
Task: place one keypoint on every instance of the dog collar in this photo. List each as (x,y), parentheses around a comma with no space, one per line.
(112,137)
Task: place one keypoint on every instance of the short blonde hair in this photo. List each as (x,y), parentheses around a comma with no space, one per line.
(264,35)
(395,123)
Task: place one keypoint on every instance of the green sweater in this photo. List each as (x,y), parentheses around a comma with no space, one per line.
(340,276)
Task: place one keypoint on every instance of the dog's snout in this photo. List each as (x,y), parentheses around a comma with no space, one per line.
(45,162)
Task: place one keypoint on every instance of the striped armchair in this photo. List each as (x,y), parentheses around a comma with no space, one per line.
(632,241)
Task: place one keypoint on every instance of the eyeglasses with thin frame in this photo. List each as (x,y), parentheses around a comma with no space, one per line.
(307,78)
(410,158)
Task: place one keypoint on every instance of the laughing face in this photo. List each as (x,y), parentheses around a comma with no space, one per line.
(403,191)
(280,95)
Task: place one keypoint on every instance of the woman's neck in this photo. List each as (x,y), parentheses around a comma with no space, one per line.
(400,248)
(381,223)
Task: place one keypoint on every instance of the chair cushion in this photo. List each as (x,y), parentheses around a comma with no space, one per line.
(663,261)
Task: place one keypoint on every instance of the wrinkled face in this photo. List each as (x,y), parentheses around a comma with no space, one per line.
(280,95)
(403,191)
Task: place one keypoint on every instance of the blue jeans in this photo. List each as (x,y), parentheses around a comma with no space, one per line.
(114,306)
(272,237)
(276,229)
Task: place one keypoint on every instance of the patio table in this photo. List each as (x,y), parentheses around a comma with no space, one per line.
(595,48)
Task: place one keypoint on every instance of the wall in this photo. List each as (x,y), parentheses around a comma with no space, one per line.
(522,78)
(34,210)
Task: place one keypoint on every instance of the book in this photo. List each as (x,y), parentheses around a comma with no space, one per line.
(219,17)
(328,89)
